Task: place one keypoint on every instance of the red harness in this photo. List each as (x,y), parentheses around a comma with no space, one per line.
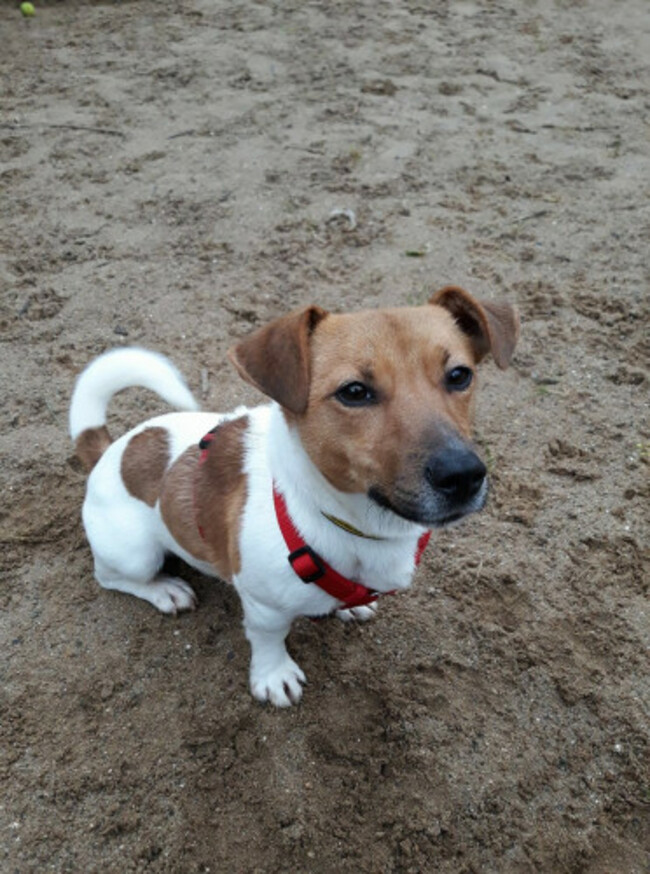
(306,563)
(311,568)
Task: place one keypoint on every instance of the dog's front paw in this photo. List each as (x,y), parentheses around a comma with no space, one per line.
(358,614)
(282,686)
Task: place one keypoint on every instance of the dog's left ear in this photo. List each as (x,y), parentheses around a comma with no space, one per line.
(492,327)
(276,358)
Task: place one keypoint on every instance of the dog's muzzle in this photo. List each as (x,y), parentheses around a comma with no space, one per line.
(451,483)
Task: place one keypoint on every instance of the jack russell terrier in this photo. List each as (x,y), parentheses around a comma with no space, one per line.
(317,502)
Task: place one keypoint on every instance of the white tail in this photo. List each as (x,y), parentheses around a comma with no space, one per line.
(119,369)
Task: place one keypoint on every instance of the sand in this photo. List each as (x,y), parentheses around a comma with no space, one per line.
(175,174)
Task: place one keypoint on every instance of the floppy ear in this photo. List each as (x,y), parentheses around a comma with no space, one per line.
(276,360)
(492,327)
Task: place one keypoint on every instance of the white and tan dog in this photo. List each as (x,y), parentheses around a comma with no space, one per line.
(314,503)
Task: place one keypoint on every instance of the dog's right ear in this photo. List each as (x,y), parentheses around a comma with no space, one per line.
(276,358)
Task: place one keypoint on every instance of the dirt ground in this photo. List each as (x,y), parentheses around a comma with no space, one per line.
(170,177)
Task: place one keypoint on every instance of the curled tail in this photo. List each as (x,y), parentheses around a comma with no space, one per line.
(104,377)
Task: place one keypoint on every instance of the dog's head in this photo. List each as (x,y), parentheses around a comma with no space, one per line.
(383,399)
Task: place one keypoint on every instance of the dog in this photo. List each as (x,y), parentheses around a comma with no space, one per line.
(317,502)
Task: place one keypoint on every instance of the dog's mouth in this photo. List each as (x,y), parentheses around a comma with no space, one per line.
(427,512)
(449,520)
(448,485)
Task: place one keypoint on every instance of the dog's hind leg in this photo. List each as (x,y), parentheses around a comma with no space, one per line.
(167,594)
(128,555)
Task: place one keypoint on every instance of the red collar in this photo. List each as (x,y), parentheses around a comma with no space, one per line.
(311,568)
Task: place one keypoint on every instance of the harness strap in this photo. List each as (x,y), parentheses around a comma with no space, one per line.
(311,568)
(425,537)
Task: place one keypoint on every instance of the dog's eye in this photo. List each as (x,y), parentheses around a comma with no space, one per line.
(355,394)
(458,378)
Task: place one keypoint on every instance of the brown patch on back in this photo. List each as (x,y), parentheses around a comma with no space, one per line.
(211,495)
(144,463)
(91,444)
(178,504)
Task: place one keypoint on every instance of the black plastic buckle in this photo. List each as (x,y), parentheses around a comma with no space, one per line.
(207,439)
(319,568)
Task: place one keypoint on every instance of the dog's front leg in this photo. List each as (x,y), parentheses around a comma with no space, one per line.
(274,676)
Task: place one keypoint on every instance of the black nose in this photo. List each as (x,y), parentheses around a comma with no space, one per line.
(457,472)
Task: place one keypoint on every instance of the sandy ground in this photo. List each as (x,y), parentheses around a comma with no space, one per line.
(169,172)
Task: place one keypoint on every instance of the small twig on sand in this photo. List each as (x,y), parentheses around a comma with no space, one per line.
(80,127)
(533,215)
(183,133)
